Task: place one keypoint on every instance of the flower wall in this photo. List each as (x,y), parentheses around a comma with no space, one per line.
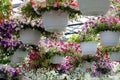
(38,64)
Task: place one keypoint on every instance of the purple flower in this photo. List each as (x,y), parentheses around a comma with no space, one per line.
(12,70)
(62,70)
(9,73)
(95,25)
(94,74)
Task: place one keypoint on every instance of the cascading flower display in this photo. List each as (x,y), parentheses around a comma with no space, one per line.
(8,42)
(62,48)
(42,58)
(35,8)
(37,60)
(10,73)
(104,24)
(103,68)
(8,37)
(23,23)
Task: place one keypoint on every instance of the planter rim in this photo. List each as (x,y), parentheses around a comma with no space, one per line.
(90,42)
(108,31)
(51,11)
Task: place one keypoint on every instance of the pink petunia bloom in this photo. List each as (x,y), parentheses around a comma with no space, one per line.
(116,20)
(75,5)
(117,0)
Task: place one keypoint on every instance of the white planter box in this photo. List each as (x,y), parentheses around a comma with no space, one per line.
(115,56)
(57,59)
(30,36)
(18,56)
(109,38)
(89,48)
(94,7)
(55,21)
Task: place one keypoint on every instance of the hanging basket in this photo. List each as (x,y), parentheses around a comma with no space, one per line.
(94,7)
(56,59)
(18,56)
(89,48)
(109,38)
(115,56)
(55,21)
(29,36)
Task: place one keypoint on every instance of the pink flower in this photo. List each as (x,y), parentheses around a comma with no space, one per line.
(70,45)
(65,50)
(66,4)
(116,20)
(74,5)
(103,20)
(57,4)
(117,0)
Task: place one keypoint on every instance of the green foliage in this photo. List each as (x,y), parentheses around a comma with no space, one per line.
(23,25)
(106,27)
(109,50)
(54,51)
(117,14)
(78,38)
(90,58)
(5,9)
(105,24)
(75,38)
(89,37)
(4,59)
(76,60)
(29,11)
(118,5)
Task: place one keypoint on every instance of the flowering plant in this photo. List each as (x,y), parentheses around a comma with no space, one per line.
(36,24)
(116,4)
(116,7)
(75,38)
(8,40)
(104,24)
(61,48)
(36,8)
(104,67)
(90,58)
(5,10)
(83,36)
(37,60)
(104,50)
(9,73)
(88,37)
